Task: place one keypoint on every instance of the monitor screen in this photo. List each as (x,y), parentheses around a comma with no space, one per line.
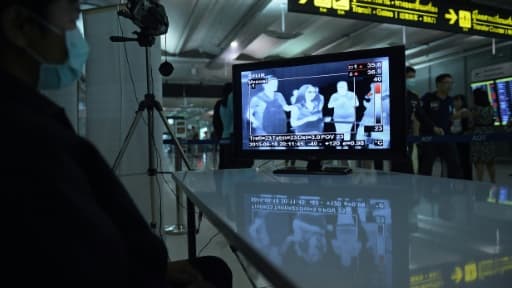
(345,105)
(490,88)
(504,89)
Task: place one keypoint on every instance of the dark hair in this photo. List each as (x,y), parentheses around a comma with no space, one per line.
(441,77)
(301,96)
(462,98)
(480,98)
(38,7)
(409,69)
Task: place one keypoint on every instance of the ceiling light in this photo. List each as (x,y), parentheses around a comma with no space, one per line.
(234,44)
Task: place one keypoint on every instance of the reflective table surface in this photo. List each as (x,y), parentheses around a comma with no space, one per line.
(366,229)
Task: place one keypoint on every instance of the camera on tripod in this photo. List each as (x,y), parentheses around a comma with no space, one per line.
(148,15)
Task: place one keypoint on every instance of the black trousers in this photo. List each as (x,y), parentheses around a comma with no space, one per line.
(446,151)
(214,271)
(404,165)
(227,161)
(464,152)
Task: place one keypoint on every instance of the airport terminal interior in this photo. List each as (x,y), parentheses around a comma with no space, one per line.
(187,68)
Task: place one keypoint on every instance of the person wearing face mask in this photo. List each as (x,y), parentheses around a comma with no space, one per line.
(438,106)
(70,222)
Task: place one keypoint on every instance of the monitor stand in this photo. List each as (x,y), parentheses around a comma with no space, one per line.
(314,168)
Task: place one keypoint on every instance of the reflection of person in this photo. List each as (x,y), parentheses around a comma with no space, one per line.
(308,240)
(344,103)
(84,228)
(267,110)
(306,115)
(258,231)
(346,244)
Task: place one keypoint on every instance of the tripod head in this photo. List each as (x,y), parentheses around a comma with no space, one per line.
(149,16)
(144,40)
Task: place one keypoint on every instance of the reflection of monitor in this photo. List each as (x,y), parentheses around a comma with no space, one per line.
(504,89)
(490,88)
(347,105)
(346,238)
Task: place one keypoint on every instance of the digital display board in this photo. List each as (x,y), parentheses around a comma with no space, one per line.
(504,88)
(451,16)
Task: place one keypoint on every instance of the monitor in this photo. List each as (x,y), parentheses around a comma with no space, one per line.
(504,89)
(490,88)
(347,105)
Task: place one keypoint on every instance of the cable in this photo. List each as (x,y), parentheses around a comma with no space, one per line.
(243,266)
(208,243)
(128,60)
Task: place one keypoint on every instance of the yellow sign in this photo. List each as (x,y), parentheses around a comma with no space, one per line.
(341,4)
(464,19)
(470,272)
(323,3)
(452,16)
(457,275)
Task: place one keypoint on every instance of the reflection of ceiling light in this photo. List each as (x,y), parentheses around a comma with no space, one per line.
(234,44)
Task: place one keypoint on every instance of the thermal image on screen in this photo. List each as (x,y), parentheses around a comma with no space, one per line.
(334,105)
(347,238)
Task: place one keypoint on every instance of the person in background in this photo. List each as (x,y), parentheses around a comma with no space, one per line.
(415,118)
(267,110)
(344,103)
(223,129)
(75,224)
(306,114)
(438,107)
(483,153)
(461,124)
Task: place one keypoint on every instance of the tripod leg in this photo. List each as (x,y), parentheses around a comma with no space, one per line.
(127,139)
(178,144)
(152,170)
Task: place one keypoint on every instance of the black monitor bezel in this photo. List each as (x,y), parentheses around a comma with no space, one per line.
(398,117)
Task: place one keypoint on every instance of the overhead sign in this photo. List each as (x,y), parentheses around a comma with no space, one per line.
(492,72)
(463,274)
(459,16)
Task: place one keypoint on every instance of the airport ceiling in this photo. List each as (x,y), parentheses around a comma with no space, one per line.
(200,39)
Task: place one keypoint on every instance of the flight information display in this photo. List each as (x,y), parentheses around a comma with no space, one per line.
(504,88)
(453,16)
(490,88)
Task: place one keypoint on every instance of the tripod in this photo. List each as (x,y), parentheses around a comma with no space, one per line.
(150,105)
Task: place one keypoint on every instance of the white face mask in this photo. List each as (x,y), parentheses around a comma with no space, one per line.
(410,84)
(56,76)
